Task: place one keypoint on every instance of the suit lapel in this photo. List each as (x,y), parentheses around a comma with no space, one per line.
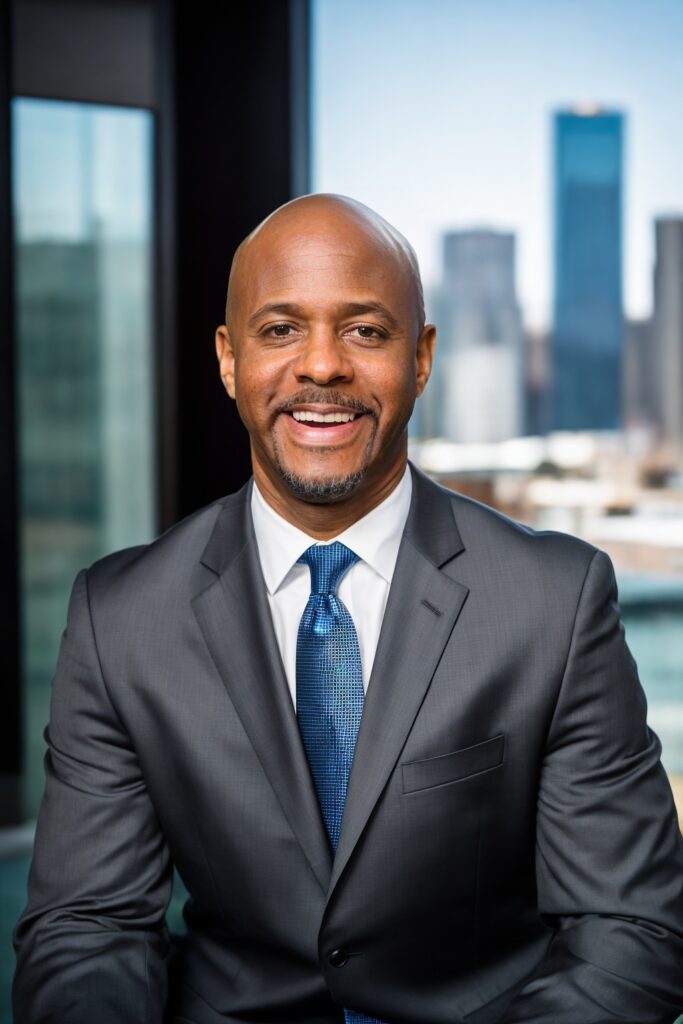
(422,608)
(235,620)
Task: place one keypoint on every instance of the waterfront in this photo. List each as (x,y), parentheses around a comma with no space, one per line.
(652,612)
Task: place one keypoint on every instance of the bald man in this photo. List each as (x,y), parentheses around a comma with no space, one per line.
(393,741)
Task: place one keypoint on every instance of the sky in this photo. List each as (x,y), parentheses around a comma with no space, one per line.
(438,114)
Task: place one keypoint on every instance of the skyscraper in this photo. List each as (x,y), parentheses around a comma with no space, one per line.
(641,404)
(480,324)
(588,315)
(668,332)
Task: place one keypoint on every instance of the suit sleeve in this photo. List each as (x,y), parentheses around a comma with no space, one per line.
(609,854)
(91,941)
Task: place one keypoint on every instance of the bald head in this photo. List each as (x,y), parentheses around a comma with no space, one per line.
(318,219)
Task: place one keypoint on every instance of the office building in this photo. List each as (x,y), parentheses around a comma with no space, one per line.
(536,381)
(668,332)
(481,378)
(588,316)
(641,375)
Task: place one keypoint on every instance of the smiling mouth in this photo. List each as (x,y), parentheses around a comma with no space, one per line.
(311,426)
(326,419)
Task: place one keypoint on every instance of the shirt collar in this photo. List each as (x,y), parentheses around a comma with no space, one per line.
(375,537)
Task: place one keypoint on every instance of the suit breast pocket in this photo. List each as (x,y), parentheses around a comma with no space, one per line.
(454,767)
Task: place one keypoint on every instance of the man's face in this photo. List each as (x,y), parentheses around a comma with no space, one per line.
(324,356)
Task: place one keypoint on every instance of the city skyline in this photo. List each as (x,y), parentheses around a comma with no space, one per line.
(449,126)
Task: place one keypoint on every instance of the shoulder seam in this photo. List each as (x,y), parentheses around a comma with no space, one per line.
(97,653)
(571,639)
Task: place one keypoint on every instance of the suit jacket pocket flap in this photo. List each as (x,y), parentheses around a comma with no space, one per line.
(459,764)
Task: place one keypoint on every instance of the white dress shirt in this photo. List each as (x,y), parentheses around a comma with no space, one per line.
(364,588)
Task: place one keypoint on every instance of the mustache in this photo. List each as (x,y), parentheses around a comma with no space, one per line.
(325,396)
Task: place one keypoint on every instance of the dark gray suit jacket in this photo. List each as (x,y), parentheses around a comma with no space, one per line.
(510,850)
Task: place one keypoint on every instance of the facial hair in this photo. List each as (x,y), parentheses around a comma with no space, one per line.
(330,489)
(322,491)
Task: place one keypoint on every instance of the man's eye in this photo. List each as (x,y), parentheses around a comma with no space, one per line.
(280,330)
(366,331)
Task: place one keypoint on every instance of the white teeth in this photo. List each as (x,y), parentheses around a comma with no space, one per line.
(328,417)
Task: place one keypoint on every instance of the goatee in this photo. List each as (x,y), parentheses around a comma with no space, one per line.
(322,491)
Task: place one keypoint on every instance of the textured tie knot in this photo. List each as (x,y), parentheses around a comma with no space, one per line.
(328,563)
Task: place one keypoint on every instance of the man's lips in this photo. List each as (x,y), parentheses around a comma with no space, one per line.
(314,432)
(322,414)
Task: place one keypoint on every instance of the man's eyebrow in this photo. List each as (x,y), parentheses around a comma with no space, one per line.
(346,309)
(358,308)
(285,308)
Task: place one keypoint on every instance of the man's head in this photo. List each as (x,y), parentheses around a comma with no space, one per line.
(325,316)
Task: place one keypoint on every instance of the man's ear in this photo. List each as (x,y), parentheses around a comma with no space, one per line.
(424,356)
(226,359)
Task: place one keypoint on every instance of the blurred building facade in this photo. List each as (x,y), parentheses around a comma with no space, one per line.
(480,377)
(536,381)
(641,375)
(668,333)
(587,313)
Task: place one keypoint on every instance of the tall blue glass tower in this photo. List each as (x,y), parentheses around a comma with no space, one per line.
(588,313)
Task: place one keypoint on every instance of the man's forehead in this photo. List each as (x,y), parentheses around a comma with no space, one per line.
(315,261)
(319,262)
(299,242)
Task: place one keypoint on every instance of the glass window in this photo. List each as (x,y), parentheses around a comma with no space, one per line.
(84,301)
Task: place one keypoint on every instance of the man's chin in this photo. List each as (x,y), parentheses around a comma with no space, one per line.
(322,490)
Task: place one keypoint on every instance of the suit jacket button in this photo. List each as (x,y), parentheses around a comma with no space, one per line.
(337,958)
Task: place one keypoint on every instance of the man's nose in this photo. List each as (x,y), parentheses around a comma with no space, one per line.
(322,357)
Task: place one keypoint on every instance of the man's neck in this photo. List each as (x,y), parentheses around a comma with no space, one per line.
(327,519)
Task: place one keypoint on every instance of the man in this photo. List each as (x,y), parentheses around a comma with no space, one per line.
(393,741)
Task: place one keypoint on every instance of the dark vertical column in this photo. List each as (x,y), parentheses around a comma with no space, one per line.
(165,270)
(10,710)
(300,95)
(240,144)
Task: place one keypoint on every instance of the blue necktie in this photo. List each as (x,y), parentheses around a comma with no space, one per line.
(329,690)
(329,681)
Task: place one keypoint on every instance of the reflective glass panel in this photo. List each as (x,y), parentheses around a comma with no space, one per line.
(83,272)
